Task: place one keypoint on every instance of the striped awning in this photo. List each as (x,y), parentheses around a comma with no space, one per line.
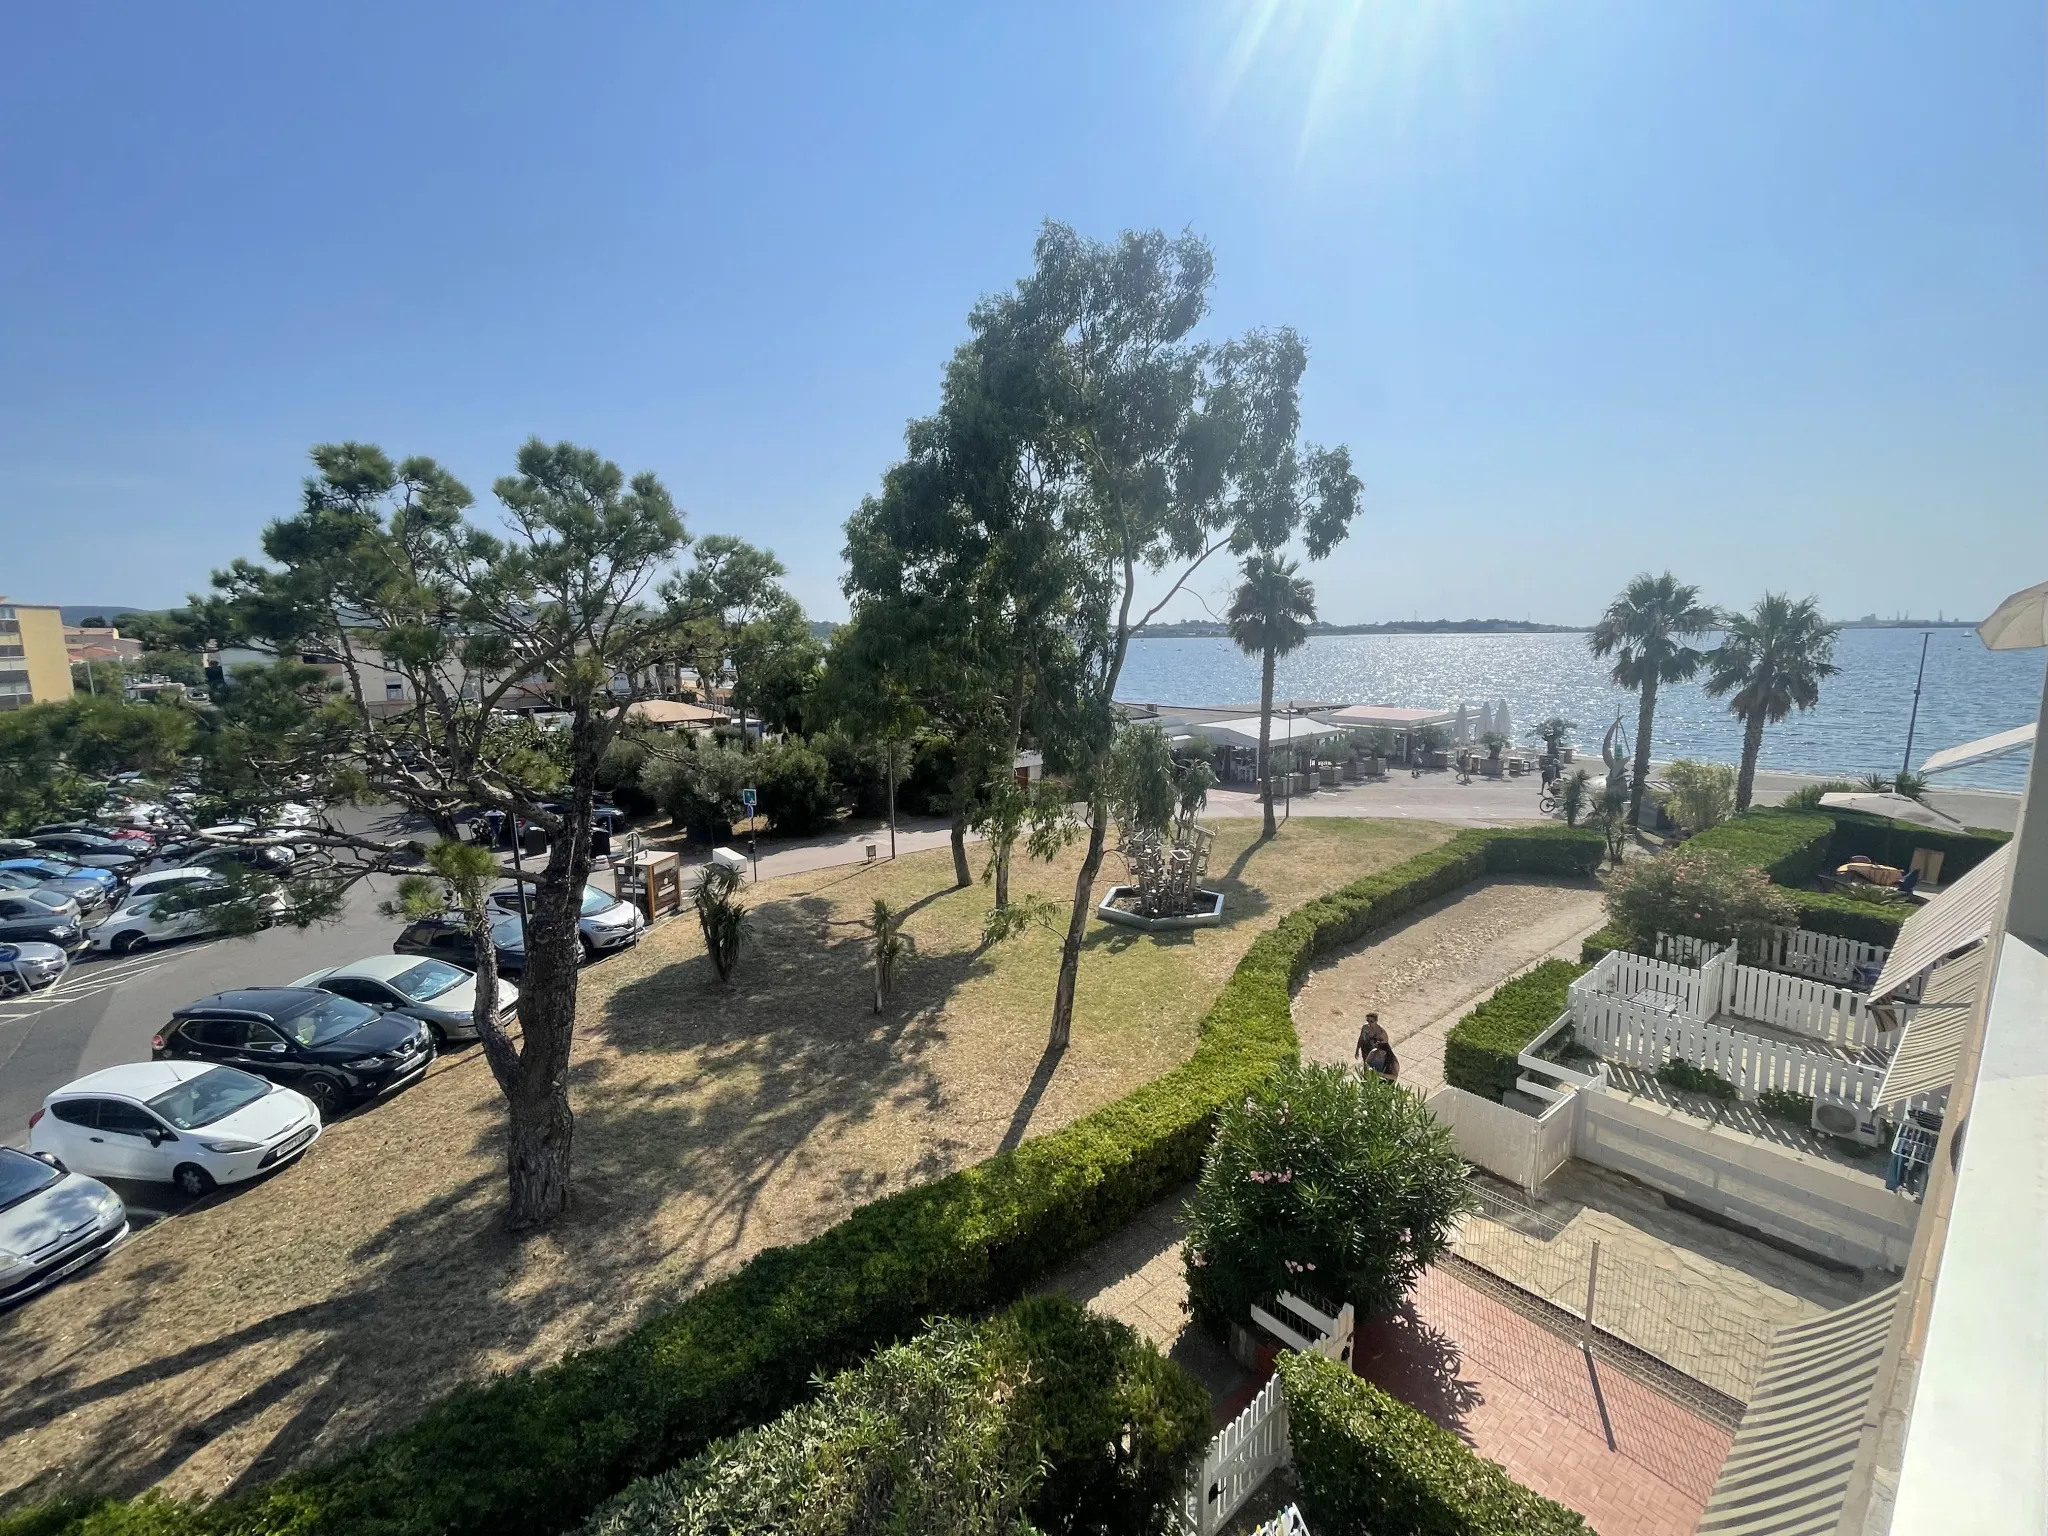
(1787,1474)
(1925,1061)
(1956,919)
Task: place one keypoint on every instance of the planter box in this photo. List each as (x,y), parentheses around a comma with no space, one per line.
(1353,772)
(1328,774)
(1303,785)
(1210,916)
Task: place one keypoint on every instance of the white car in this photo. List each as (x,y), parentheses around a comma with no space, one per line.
(442,995)
(160,880)
(603,922)
(153,918)
(52,1222)
(187,1123)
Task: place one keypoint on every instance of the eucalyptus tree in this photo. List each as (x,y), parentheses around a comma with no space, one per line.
(1645,630)
(1269,618)
(1153,452)
(380,572)
(1771,661)
(735,616)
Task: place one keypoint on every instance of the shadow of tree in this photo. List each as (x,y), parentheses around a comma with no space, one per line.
(1420,1365)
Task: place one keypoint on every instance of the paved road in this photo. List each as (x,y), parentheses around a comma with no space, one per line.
(104,1011)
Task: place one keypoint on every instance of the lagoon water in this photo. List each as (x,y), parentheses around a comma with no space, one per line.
(1860,726)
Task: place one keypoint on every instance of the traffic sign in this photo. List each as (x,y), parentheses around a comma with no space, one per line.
(747,799)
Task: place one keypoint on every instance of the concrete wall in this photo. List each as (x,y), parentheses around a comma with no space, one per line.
(1806,1201)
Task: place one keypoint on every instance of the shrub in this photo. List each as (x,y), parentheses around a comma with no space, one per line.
(1046,1407)
(700,788)
(1479,1055)
(1687,1078)
(1702,794)
(1807,796)
(1783,1104)
(1367,1462)
(859,771)
(1322,1183)
(794,787)
(1703,893)
(1893,842)
(1789,846)
(1595,946)
(722,916)
(534,1452)
(1846,918)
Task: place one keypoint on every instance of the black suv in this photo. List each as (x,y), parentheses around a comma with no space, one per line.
(447,938)
(37,917)
(335,1051)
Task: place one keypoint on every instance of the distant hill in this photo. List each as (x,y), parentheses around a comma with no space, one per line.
(821,629)
(72,613)
(1197,628)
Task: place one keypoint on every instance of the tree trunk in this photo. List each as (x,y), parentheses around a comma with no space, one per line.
(1752,744)
(537,1151)
(1266,740)
(1002,859)
(1077,930)
(1639,780)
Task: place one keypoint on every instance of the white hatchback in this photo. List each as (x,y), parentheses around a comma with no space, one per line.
(187,1123)
(154,918)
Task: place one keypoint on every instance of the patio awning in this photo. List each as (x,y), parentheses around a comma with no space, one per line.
(1953,920)
(1982,750)
(1245,732)
(1787,1474)
(1925,1061)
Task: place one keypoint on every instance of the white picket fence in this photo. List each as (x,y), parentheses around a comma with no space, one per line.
(1795,1004)
(1647,1037)
(1254,1444)
(1822,956)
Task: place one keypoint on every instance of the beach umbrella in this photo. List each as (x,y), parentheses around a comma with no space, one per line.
(1501,721)
(2019,623)
(1462,726)
(1897,807)
(1982,750)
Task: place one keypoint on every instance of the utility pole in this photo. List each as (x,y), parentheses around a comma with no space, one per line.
(892,799)
(1912,720)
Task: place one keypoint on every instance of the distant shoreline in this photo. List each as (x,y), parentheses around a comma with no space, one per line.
(1211,629)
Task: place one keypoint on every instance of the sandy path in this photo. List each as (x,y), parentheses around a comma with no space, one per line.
(1426,971)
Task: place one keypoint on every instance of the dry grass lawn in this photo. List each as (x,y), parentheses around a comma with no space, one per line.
(285,1322)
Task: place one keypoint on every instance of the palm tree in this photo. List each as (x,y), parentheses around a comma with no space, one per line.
(1644,630)
(1269,616)
(1771,662)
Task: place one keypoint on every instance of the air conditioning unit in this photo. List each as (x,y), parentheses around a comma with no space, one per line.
(1838,1117)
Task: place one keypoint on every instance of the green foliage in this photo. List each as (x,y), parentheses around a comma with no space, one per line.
(887,945)
(1847,918)
(859,770)
(1687,1078)
(1367,1462)
(1783,1104)
(1324,1184)
(1480,1052)
(532,1453)
(1789,846)
(1553,731)
(1595,946)
(923,1437)
(1702,893)
(795,789)
(1893,842)
(722,916)
(54,758)
(1702,794)
(1572,795)
(699,786)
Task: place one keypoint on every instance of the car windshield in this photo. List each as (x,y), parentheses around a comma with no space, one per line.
(212,1095)
(328,1018)
(506,934)
(22,1176)
(430,978)
(595,901)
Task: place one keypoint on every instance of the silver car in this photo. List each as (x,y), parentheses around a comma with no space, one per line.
(30,966)
(440,994)
(603,922)
(52,1223)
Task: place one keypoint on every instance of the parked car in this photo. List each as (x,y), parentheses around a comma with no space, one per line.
(604,922)
(90,850)
(160,880)
(24,920)
(334,1050)
(189,911)
(441,995)
(88,887)
(94,829)
(188,1123)
(447,938)
(31,966)
(53,1222)
(265,858)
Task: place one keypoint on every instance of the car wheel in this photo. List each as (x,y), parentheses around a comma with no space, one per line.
(192,1180)
(589,949)
(128,943)
(325,1095)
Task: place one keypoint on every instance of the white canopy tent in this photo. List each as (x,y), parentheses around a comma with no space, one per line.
(1288,730)
(1896,807)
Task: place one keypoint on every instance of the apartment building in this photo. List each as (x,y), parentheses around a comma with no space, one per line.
(35,667)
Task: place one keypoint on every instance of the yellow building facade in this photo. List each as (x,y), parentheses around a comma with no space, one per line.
(35,667)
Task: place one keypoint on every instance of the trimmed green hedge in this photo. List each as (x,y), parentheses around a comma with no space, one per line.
(1893,842)
(1479,1055)
(1596,946)
(1367,1462)
(1789,846)
(1847,918)
(536,1452)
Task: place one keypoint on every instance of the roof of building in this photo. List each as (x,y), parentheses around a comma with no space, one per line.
(1390,715)
(674,712)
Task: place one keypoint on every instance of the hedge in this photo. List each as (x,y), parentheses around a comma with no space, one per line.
(1597,946)
(1367,1462)
(1847,918)
(1893,842)
(1480,1052)
(537,1451)
(1789,846)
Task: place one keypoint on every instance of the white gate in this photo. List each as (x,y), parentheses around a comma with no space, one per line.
(1254,1443)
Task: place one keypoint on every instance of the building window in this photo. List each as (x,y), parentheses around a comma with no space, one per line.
(393,689)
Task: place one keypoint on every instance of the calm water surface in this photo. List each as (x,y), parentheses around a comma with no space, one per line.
(1860,726)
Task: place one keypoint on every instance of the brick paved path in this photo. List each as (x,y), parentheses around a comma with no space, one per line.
(1630,1461)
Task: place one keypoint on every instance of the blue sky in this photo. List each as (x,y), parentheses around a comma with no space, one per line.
(1757,292)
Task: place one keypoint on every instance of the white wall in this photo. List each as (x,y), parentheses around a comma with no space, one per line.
(1508,1144)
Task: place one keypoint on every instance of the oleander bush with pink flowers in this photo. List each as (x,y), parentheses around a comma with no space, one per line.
(1331,1186)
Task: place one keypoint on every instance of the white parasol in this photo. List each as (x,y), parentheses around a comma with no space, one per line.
(2019,623)
(1897,807)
